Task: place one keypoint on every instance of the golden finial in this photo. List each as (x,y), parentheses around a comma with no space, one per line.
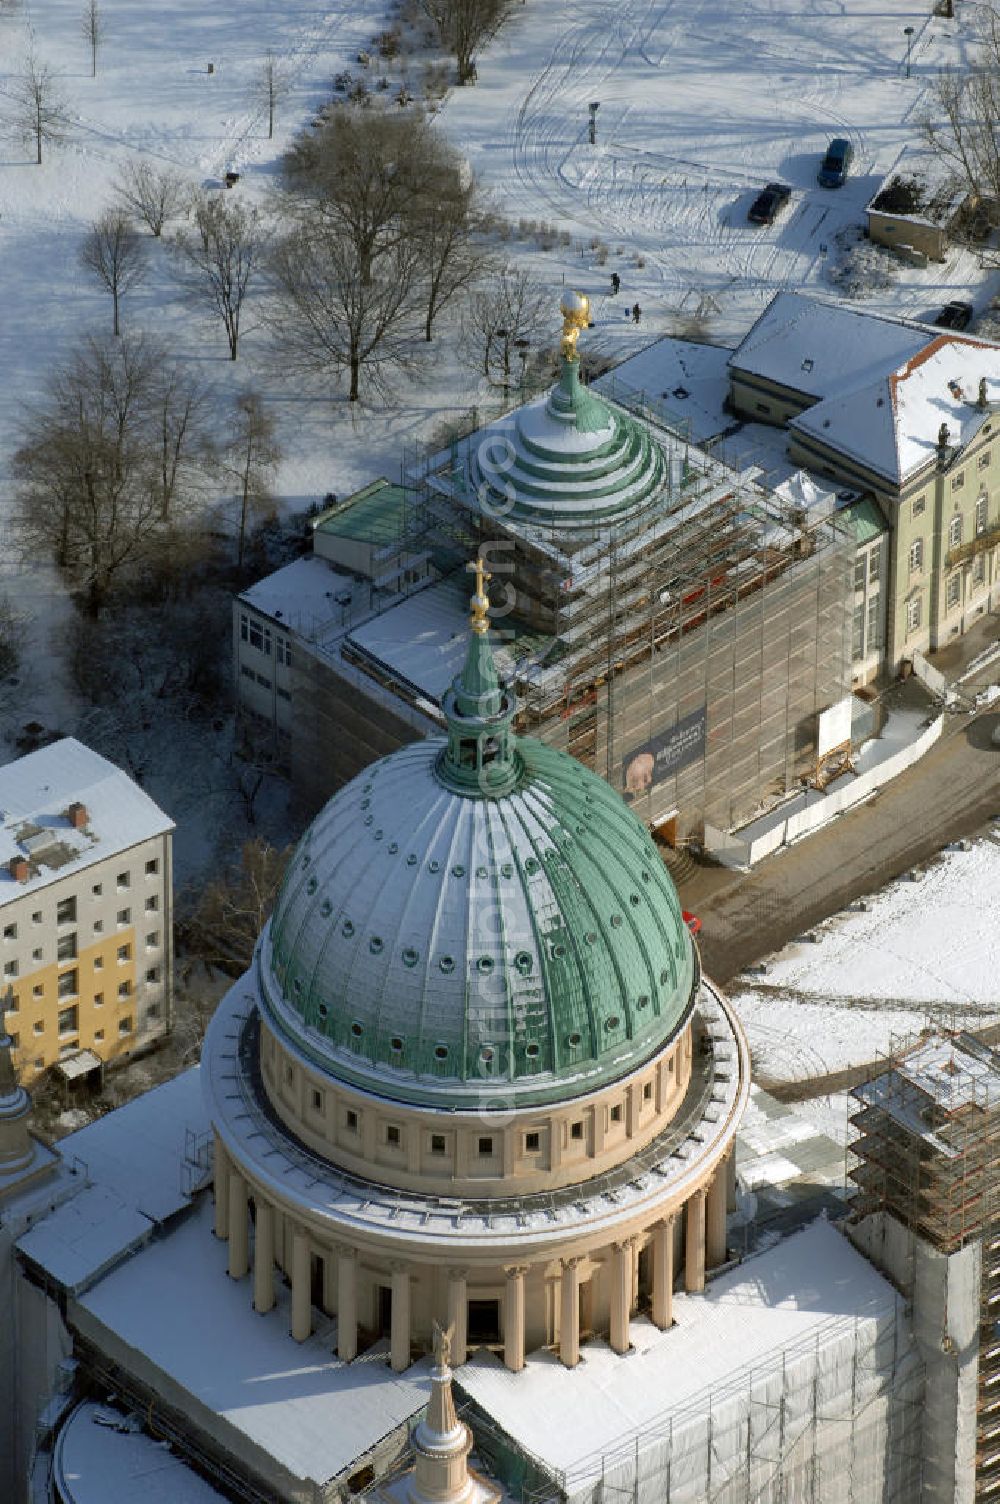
(575,309)
(480,601)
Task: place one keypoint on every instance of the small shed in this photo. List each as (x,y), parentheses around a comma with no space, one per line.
(917,205)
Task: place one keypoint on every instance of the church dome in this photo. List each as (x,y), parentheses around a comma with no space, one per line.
(477,918)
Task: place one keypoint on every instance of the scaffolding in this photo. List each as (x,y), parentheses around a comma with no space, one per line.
(928,1153)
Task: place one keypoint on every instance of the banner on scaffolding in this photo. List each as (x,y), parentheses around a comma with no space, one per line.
(666,754)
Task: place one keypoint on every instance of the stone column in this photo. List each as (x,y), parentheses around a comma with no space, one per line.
(399,1334)
(715,1234)
(694,1243)
(663,1274)
(634,1257)
(458,1314)
(239,1243)
(621,1295)
(513,1317)
(221,1187)
(301,1287)
(347,1304)
(569,1313)
(329,1283)
(263,1258)
(731,1203)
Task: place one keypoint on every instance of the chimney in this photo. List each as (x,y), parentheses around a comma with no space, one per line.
(942,445)
(18,868)
(77,815)
(983,399)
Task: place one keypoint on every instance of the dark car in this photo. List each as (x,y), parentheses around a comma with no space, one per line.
(955,315)
(836,164)
(769,203)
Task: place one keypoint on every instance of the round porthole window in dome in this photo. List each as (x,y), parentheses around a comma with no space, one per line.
(574,1039)
(322,1010)
(447,964)
(532,865)
(634,900)
(486,1054)
(482,874)
(326,908)
(458,870)
(616,921)
(311,886)
(396,1045)
(411,860)
(347,929)
(522,962)
(642,1001)
(612,1023)
(375,945)
(357,1029)
(440,1052)
(532,1051)
(485,965)
(393,847)
(410,956)
(433,866)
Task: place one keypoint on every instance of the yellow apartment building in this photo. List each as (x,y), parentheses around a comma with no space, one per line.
(86,911)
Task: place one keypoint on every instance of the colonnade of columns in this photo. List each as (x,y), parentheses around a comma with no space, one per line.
(704,1247)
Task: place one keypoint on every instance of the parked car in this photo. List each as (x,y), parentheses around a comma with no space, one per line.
(955,315)
(692,921)
(769,203)
(836,164)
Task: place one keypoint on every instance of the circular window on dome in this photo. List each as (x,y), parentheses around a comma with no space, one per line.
(634,900)
(322,1010)
(312,885)
(357,1029)
(664,977)
(440,1052)
(297,986)
(642,1001)
(393,847)
(573,1039)
(433,866)
(375,945)
(396,1045)
(326,908)
(531,866)
(447,964)
(369,819)
(482,874)
(486,1054)
(365,803)
(507,870)
(581,830)
(616,921)
(306,859)
(645,877)
(411,860)
(558,951)
(378,835)
(591,937)
(523,963)
(458,870)
(532,1051)
(612,1023)
(410,956)
(485,965)
(347,928)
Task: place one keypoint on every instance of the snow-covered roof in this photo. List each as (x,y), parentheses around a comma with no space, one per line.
(105,1457)
(135,1167)
(175,1304)
(35,794)
(811,1289)
(890,424)
(689,379)
(920,187)
(817,348)
(308,596)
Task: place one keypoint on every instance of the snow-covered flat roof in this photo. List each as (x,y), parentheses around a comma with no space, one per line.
(816,347)
(174,1304)
(103,1457)
(84,1236)
(35,794)
(812,1287)
(691,380)
(424,639)
(308,596)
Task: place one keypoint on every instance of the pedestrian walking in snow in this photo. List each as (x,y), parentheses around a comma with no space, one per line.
(616,283)
(636,313)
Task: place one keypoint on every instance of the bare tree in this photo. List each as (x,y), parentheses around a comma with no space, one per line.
(963,127)
(115,255)
(464,27)
(504,319)
(39,112)
(86,471)
(229,914)
(224,255)
(336,313)
(92,26)
(442,221)
(185,455)
(153,194)
(270,88)
(250,459)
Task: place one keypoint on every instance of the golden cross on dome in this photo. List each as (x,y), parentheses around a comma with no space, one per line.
(480,601)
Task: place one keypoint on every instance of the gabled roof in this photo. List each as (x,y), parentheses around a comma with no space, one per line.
(890,425)
(818,348)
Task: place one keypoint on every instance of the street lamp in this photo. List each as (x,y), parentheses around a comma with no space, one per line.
(908,34)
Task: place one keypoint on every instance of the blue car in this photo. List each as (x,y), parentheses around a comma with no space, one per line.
(836,164)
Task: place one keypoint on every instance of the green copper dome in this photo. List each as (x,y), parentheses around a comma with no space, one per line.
(477,921)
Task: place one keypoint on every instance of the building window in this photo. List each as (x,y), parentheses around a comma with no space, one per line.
(532,1143)
(152,866)
(38,990)
(919,502)
(982,514)
(10,931)
(392,1135)
(152,939)
(958,481)
(124,989)
(36,955)
(69,1020)
(66,947)
(486,1146)
(872,634)
(979,569)
(124,916)
(152,904)
(98,963)
(860,571)
(616,1113)
(123,880)
(10,969)
(437,1143)
(914,614)
(916,556)
(98,1036)
(647,1091)
(15,1041)
(36,917)
(38,1027)
(65,911)
(153,975)
(316,1100)
(97,889)
(351,1120)
(68,984)
(98,1000)
(260,637)
(576,1130)
(875,561)
(124,953)
(953,591)
(124,1026)
(858,632)
(243,626)
(984,460)
(955,532)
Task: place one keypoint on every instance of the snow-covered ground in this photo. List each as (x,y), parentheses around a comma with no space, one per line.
(921,953)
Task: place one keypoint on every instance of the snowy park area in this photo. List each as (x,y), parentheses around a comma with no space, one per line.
(919,953)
